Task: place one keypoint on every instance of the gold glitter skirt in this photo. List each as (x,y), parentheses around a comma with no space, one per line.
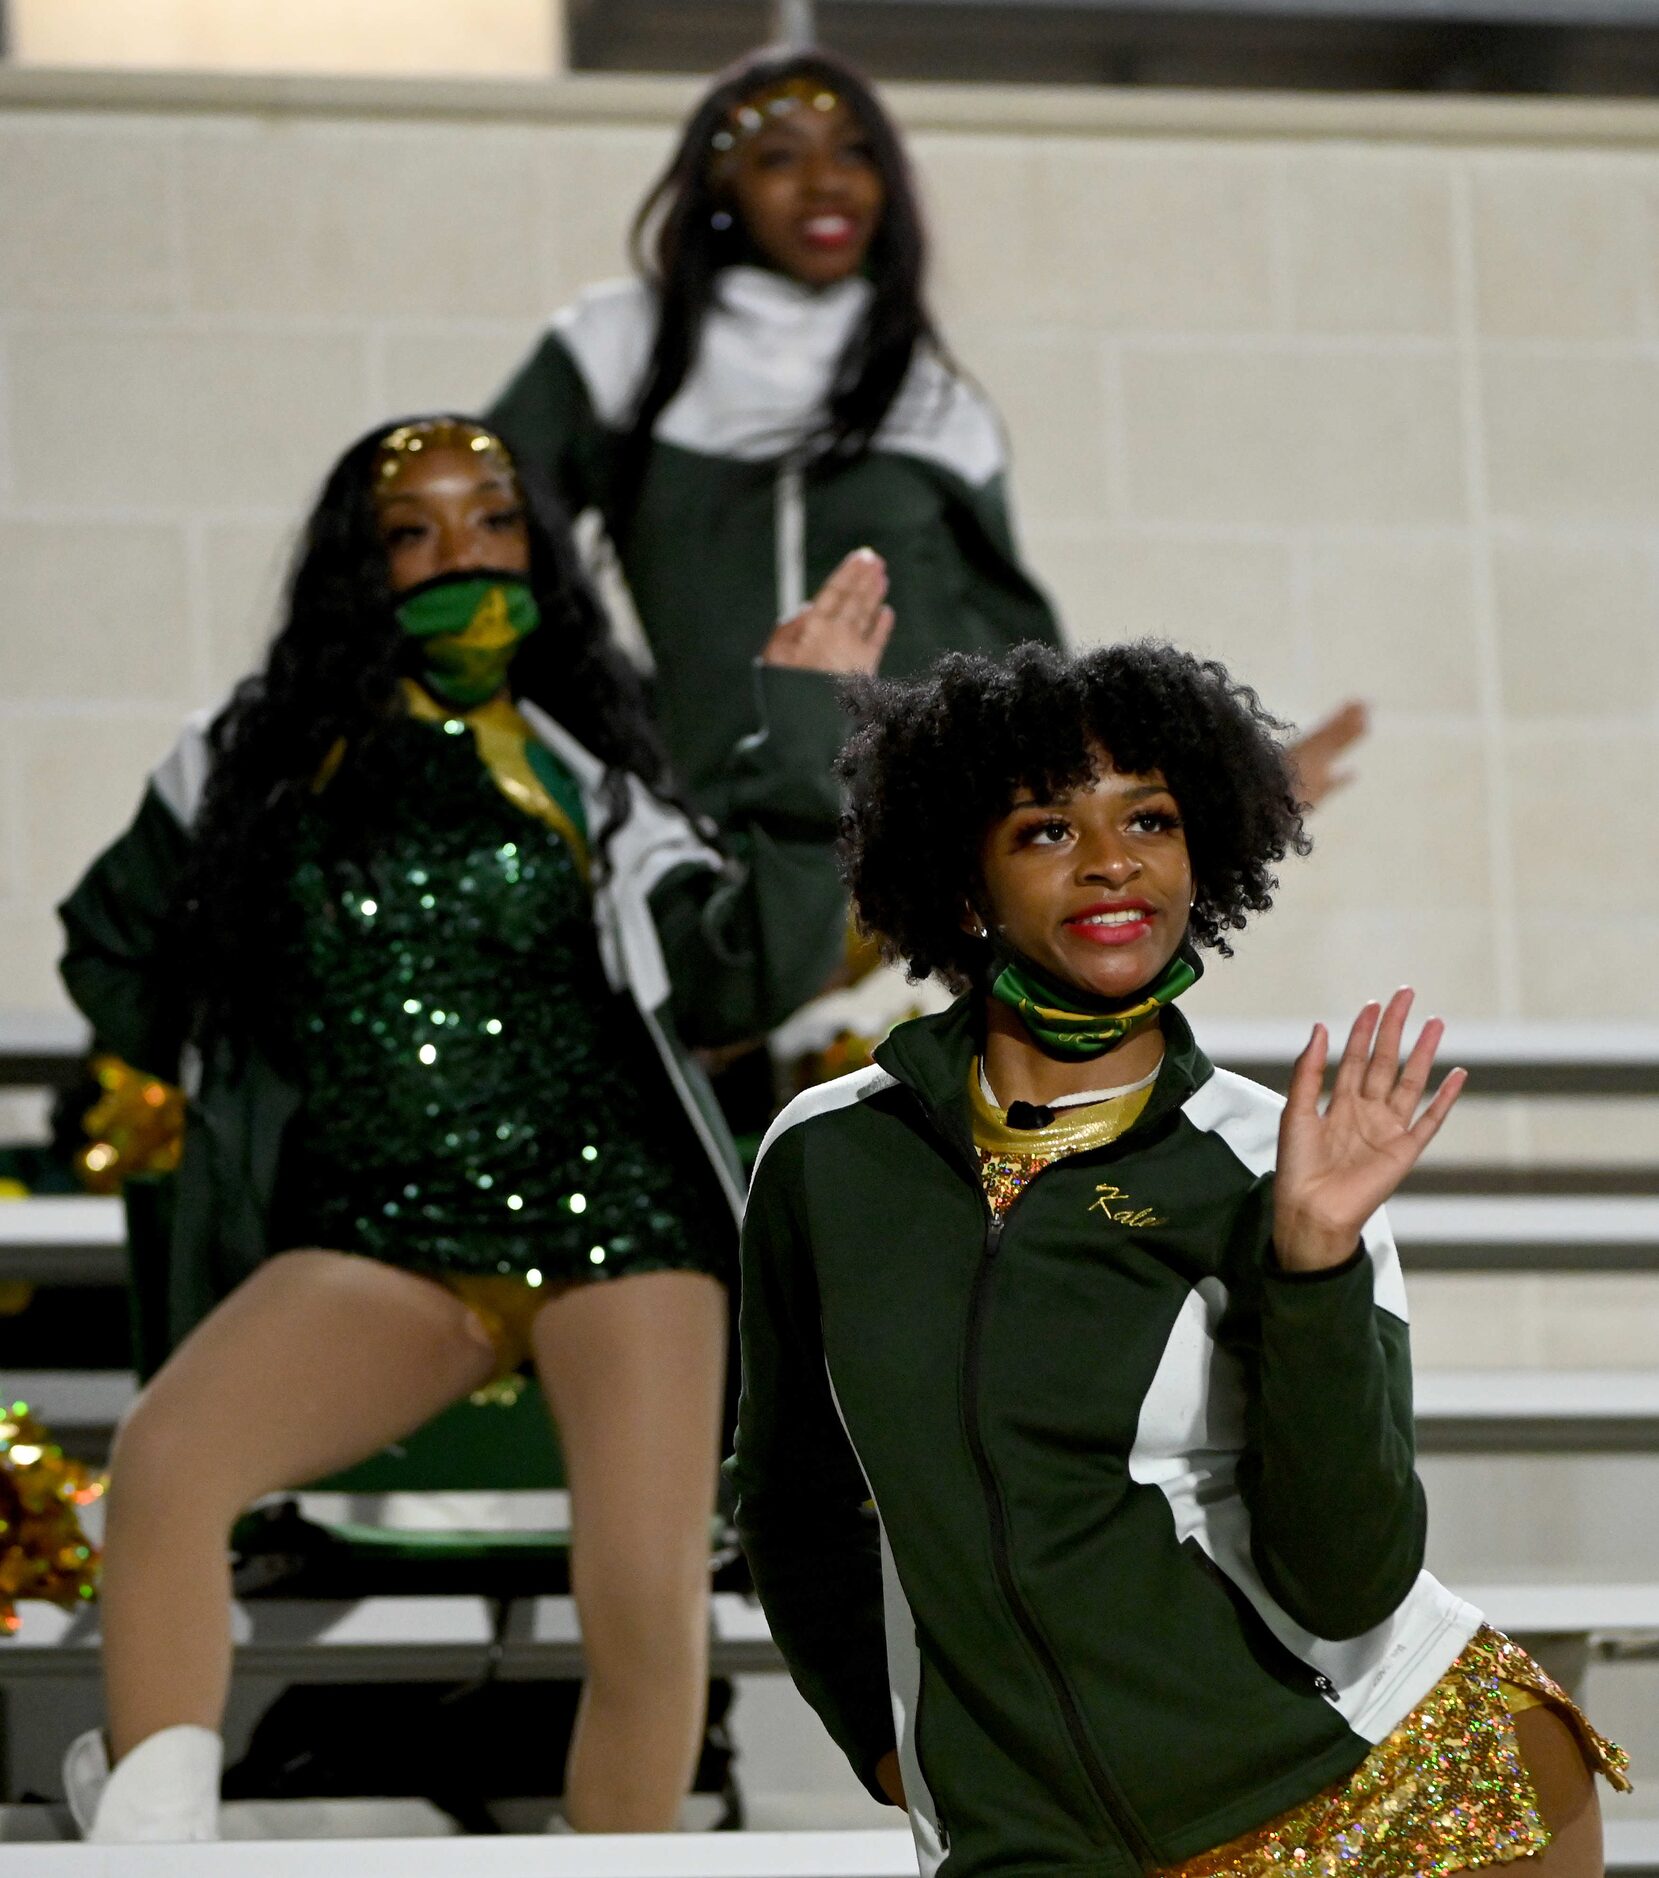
(1447,1791)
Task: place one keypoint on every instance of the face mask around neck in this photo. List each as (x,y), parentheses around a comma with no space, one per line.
(1070,1023)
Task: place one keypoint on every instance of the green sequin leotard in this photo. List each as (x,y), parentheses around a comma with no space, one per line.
(476,1097)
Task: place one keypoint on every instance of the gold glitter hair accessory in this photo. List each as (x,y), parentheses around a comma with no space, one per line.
(750,115)
(400,447)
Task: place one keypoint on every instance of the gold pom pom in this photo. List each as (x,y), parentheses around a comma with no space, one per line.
(43,1551)
(135,1127)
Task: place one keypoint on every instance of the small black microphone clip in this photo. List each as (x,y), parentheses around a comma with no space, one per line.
(1026,1115)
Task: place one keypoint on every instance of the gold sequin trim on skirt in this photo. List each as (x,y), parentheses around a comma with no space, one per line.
(1446,1792)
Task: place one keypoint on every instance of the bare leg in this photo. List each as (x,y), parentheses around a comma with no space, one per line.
(314,1362)
(633,1369)
(1566,1797)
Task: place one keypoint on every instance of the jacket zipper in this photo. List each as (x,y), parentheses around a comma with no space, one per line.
(1107,1793)
(789,527)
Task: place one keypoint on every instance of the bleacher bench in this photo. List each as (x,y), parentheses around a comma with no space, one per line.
(884,1853)
(1603,1411)
(80,1241)
(412,1639)
(1632,1852)
(1502,1057)
(41,1049)
(67,1240)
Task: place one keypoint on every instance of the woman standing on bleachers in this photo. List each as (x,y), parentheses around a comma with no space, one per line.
(772,392)
(1075,1463)
(421,925)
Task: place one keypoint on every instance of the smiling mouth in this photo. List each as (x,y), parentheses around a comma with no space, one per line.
(828,231)
(1112,926)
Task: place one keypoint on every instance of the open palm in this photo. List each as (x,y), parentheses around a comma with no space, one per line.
(1338,1166)
(844,628)
(1316,755)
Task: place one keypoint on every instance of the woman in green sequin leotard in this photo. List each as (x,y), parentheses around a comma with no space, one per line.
(421,927)
(472,1084)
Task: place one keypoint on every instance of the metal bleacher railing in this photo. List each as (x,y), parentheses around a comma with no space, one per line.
(80,1241)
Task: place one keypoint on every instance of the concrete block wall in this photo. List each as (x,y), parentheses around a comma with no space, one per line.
(1364,403)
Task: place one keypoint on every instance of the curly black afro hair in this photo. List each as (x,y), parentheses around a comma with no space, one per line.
(937,758)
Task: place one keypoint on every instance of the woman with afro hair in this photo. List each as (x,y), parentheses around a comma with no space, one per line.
(1075,1459)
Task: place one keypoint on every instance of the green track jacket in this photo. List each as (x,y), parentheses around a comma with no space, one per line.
(1143,1567)
(731,533)
(711,946)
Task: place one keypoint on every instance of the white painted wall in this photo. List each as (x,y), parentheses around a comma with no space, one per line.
(444,37)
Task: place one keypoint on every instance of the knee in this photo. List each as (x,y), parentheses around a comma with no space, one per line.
(160,1466)
(648,1616)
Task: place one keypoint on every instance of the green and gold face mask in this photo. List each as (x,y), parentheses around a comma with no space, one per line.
(1065,1021)
(469,625)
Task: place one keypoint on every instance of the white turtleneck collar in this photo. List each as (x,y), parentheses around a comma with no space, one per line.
(769,298)
(765,360)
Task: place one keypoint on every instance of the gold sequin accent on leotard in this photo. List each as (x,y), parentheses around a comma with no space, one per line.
(1446,1792)
(504,740)
(1011,1158)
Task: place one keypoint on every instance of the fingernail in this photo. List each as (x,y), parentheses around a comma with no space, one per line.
(865,554)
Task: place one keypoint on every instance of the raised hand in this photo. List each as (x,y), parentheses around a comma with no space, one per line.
(846,625)
(1315,754)
(1336,1168)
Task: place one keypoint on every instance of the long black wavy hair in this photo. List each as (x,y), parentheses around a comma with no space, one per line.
(937,758)
(331,681)
(679,249)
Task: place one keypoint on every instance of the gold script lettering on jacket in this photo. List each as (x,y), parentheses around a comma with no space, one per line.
(1130,1215)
